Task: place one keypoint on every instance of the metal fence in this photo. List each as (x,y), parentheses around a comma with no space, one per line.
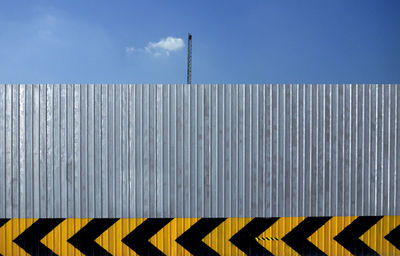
(199,150)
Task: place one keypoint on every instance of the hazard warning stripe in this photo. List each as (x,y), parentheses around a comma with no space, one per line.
(298,237)
(267,238)
(83,240)
(191,240)
(29,240)
(360,235)
(138,239)
(349,237)
(3,221)
(245,239)
(394,237)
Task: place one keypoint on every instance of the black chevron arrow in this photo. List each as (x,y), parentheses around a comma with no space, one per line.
(83,240)
(3,221)
(191,239)
(349,237)
(245,239)
(297,238)
(29,240)
(394,237)
(138,239)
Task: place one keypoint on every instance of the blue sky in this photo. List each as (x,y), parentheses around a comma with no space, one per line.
(259,41)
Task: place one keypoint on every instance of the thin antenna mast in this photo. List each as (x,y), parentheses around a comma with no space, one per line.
(189,60)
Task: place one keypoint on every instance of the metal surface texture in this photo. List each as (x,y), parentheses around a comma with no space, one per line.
(134,151)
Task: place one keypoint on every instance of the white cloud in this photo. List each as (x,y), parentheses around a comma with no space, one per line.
(168,44)
(130,49)
(163,47)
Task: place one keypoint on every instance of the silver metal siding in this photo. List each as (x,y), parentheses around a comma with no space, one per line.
(199,150)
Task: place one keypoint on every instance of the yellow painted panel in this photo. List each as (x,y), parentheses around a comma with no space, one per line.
(11,230)
(375,236)
(217,239)
(164,240)
(323,237)
(111,239)
(279,229)
(57,239)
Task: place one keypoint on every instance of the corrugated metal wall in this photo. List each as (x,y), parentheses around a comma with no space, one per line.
(199,150)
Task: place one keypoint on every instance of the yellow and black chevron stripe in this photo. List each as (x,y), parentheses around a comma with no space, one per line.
(267,238)
(359,235)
